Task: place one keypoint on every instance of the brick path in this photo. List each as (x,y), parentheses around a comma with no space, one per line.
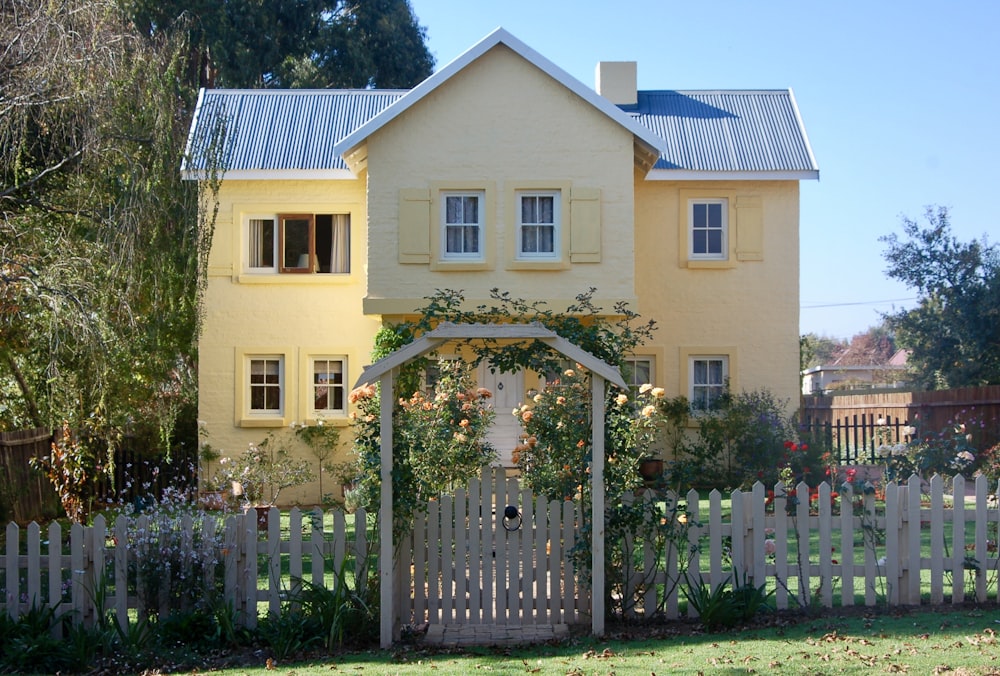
(453,635)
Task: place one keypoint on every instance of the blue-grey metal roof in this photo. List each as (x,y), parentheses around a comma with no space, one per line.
(266,130)
(753,133)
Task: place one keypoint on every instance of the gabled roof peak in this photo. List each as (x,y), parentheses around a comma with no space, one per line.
(501,36)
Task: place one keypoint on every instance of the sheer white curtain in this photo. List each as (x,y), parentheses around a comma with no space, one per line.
(340,245)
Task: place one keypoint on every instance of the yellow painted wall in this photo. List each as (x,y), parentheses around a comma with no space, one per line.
(500,124)
(748,306)
(293,315)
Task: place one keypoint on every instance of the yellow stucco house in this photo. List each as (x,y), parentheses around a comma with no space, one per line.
(340,210)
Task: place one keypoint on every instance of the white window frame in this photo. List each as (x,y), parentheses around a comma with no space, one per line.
(697,229)
(259,239)
(715,387)
(479,254)
(341,387)
(555,225)
(265,359)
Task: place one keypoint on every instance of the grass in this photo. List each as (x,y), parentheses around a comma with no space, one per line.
(956,641)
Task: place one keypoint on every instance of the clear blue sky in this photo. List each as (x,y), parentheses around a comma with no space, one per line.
(901,101)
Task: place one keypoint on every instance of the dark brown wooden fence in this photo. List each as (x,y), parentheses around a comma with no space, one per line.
(25,495)
(855,425)
(141,475)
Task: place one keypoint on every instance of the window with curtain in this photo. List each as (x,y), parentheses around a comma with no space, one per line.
(538,225)
(328,386)
(462,224)
(637,372)
(300,244)
(708,381)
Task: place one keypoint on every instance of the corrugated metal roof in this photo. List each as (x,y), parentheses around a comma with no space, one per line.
(727,131)
(738,131)
(275,130)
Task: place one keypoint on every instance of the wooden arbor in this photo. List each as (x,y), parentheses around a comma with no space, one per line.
(384,371)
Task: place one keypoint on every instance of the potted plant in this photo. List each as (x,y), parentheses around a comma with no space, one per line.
(210,493)
(260,474)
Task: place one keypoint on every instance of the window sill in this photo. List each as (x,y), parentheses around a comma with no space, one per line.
(263,422)
(537,264)
(314,279)
(699,264)
(459,266)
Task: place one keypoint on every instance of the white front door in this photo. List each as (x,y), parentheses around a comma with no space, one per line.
(508,393)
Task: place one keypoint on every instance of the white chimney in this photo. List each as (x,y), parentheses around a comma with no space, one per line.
(617,82)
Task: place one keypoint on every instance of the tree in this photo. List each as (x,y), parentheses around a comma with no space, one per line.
(99,238)
(293,43)
(954,331)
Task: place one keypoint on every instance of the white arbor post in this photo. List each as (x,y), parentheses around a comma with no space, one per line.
(597,505)
(385,559)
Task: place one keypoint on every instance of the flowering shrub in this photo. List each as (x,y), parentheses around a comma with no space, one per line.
(174,554)
(439,441)
(263,470)
(951,450)
(743,441)
(556,450)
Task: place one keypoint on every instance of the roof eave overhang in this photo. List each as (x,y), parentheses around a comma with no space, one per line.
(689,175)
(349,143)
(273,175)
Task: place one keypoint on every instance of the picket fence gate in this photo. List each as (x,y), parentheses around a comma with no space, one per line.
(468,562)
(917,543)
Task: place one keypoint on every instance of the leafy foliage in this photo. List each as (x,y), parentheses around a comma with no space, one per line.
(100,240)
(741,441)
(293,43)
(954,332)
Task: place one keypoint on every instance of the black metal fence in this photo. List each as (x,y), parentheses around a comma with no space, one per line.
(855,439)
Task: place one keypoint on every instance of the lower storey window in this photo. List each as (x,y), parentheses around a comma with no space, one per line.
(328,387)
(709,376)
(638,371)
(266,384)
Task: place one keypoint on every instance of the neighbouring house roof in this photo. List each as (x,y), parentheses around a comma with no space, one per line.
(740,134)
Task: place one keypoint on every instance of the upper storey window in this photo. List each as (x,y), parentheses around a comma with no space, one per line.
(462,225)
(300,243)
(709,229)
(538,225)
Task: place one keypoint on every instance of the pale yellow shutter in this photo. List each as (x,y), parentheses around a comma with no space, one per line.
(585,225)
(414,225)
(749,229)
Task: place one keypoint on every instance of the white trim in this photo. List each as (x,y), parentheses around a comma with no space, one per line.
(273,175)
(499,36)
(692,175)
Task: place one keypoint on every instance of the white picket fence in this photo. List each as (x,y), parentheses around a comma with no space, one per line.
(922,544)
(89,573)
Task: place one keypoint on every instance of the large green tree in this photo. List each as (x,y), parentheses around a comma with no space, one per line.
(99,239)
(293,43)
(954,331)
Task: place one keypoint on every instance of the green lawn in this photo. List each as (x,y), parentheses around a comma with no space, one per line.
(921,642)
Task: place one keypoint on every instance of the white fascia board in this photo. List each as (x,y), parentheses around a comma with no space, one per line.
(690,175)
(498,36)
(274,175)
(802,130)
